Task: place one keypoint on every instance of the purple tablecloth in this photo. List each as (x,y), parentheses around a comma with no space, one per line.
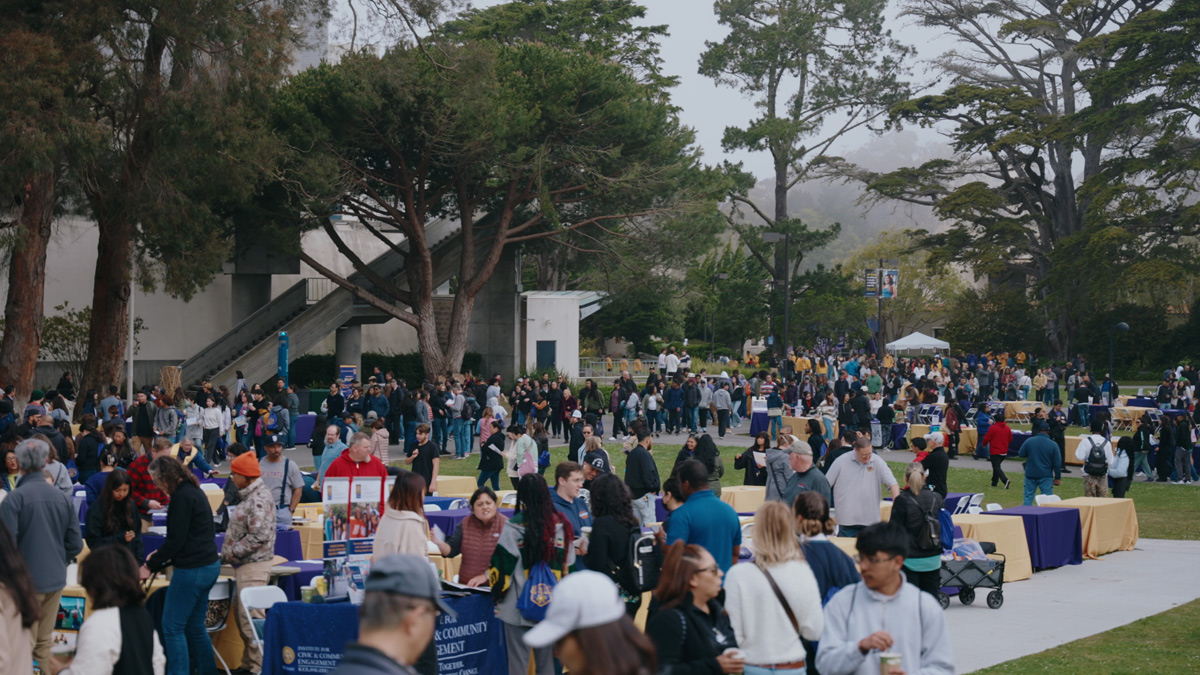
(448,520)
(1055,535)
(287,543)
(951,503)
(759,422)
(1018,439)
(304,428)
(309,569)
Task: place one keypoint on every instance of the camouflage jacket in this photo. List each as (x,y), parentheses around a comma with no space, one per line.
(251,534)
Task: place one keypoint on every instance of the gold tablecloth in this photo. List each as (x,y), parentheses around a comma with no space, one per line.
(312,540)
(744,498)
(456,486)
(1008,534)
(1108,524)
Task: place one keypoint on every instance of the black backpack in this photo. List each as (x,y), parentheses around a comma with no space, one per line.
(1096,463)
(930,535)
(468,409)
(643,564)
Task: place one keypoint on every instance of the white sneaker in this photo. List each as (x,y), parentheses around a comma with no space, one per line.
(612,438)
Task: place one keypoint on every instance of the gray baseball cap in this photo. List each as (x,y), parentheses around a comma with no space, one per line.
(799,447)
(407,575)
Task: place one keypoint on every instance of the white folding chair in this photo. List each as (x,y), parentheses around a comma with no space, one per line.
(973,504)
(509,501)
(432,507)
(459,503)
(993,506)
(220,601)
(259,598)
(1046,499)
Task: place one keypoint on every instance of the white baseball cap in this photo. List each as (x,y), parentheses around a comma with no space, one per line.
(576,415)
(584,599)
(935,439)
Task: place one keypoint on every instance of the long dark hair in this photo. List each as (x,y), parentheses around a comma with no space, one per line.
(706,453)
(16,580)
(616,648)
(610,497)
(682,562)
(766,441)
(408,493)
(170,474)
(122,520)
(109,575)
(533,501)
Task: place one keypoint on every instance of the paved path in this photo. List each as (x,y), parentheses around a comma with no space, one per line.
(1068,603)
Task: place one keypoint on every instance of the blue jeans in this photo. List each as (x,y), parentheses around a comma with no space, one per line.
(1032,485)
(461,444)
(184,636)
(410,435)
(849,530)
(735,414)
(776,425)
(440,426)
(292,434)
(759,670)
(693,418)
(485,476)
(1084,412)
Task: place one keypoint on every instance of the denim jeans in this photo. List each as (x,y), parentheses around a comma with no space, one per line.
(184,636)
(643,508)
(410,435)
(1032,485)
(759,670)
(461,444)
(776,425)
(440,427)
(693,418)
(735,414)
(485,476)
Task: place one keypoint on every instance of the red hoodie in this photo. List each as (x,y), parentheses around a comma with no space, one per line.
(344,467)
(997,438)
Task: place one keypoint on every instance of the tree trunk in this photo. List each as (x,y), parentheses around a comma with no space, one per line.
(110,304)
(27,288)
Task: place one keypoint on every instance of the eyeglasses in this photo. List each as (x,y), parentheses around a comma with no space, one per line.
(861,560)
(713,569)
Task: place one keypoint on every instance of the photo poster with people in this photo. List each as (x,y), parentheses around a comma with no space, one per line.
(335,498)
(71,611)
(872,283)
(888,286)
(365,495)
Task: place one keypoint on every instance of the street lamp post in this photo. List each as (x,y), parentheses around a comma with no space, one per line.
(772,238)
(1112,330)
(712,315)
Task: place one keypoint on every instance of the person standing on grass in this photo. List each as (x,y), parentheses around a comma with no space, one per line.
(1121,472)
(922,568)
(1095,451)
(883,614)
(491,455)
(997,440)
(641,475)
(1042,463)
(856,479)
(704,519)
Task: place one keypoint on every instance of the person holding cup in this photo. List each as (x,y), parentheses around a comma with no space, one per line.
(883,619)
(691,630)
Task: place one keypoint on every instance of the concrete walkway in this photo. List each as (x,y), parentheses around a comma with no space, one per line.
(1068,603)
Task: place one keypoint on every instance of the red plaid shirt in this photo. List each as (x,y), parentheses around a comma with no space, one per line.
(143,486)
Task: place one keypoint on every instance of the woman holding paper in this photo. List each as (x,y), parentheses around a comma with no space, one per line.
(403,528)
(754,460)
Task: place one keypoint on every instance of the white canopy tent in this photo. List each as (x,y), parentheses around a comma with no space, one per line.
(918,342)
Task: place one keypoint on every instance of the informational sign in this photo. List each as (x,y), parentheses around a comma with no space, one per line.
(871,278)
(335,497)
(891,279)
(71,611)
(346,375)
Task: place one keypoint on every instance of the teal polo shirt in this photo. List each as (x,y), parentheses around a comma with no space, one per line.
(707,521)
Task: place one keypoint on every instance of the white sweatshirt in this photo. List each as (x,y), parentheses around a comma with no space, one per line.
(99,645)
(912,617)
(764,632)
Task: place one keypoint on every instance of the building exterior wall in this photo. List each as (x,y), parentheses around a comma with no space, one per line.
(552,319)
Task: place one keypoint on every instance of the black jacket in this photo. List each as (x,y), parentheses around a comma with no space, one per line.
(360,660)
(862,410)
(576,442)
(909,511)
(745,461)
(608,552)
(937,462)
(688,640)
(99,533)
(491,457)
(191,538)
(641,474)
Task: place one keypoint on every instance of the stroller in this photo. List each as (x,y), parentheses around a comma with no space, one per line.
(967,575)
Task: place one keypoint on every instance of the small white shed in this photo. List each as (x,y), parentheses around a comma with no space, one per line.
(550,328)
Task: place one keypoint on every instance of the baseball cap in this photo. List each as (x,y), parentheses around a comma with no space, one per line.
(246,464)
(33,409)
(936,439)
(273,439)
(372,415)
(578,414)
(409,575)
(585,599)
(799,447)
(598,460)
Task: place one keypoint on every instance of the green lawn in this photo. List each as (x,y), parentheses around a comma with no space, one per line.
(1163,643)
(1164,511)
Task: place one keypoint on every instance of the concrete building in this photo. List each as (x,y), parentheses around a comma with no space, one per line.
(550,328)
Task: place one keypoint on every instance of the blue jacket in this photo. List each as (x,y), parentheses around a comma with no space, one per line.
(672,398)
(707,521)
(379,404)
(1043,458)
(576,512)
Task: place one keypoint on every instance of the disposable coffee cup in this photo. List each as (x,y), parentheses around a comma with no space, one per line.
(735,653)
(889,663)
